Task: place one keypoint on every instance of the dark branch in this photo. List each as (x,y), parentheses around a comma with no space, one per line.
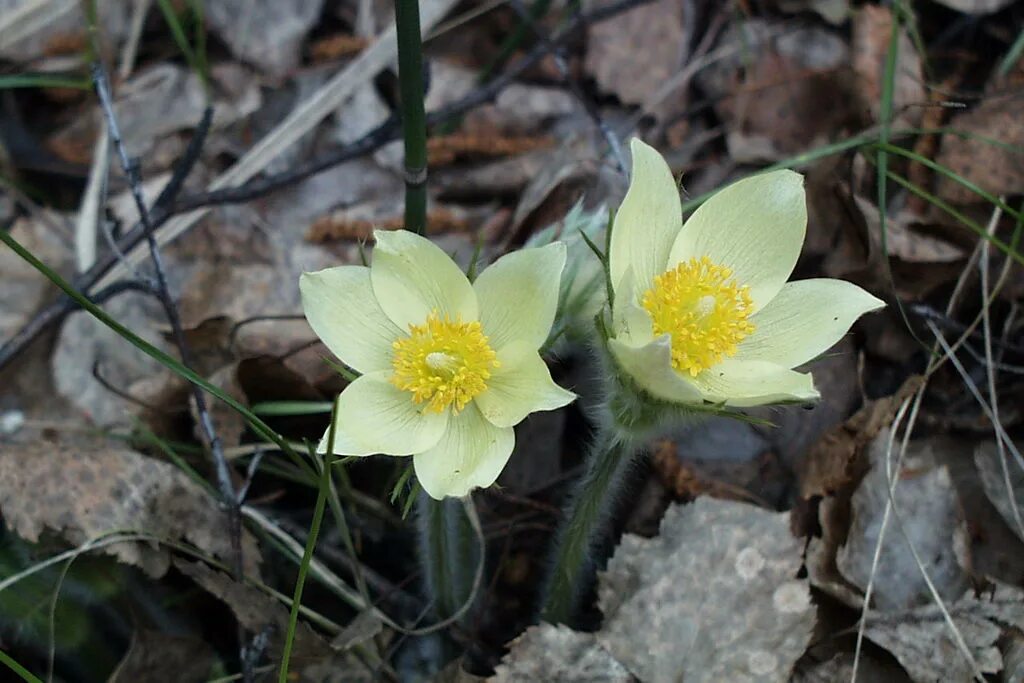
(131,169)
(380,136)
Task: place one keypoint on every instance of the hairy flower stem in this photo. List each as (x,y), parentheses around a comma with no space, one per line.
(585,521)
(449,552)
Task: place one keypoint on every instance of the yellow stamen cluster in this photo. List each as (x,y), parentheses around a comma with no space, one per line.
(703,310)
(443,363)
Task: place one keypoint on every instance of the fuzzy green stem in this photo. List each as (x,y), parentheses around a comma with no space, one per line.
(449,552)
(584,524)
(414,118)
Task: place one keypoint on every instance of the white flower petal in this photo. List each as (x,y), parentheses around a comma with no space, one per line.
(648,220)
(472,453)
(344,444)
(805,319)
(375,416)
(518,295)
(631,322)
(413,277)
(755,227)
(520,386)
(650,366)
(342,310)
(745,383)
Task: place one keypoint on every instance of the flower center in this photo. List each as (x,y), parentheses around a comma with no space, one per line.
(443,363)
(702,309)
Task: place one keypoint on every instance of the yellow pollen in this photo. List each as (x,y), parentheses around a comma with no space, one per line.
(702,309)
(443,363)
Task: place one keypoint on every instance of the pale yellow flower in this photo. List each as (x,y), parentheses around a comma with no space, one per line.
(703,311)
(448,367)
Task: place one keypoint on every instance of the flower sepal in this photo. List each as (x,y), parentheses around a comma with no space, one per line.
(637,415)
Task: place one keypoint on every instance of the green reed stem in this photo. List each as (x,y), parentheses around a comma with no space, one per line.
(414,118)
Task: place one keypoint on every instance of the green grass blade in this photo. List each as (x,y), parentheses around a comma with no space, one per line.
(25,674)
(952,175)
(147,435)
(857,142)
(801,159)
(1012,56)
(1007,249)
(11,81)
(882,162)
(288,408)
(196,62)
(307,554)
(163,358)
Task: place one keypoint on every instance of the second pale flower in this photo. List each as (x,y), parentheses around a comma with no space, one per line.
(448,367)
(703,311)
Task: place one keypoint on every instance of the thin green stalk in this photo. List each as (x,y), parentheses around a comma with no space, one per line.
(171,363)
(584,524)
(37,80)
(1010,250)
(951,175)
(1012,55)
(341,521)
(882,159)
(449,552)
(196,58)
(414,118)
(25,674)
(307,554)
(515,39)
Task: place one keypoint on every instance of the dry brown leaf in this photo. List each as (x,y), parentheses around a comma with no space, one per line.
(157,657)
(930,515)
(158,101)
(341,225)
(833,11)
(904,239)
(557,653)
(85,489)
(268,33)
(714,597)
(784,90)
(557,184)
(1013,657)
(334,47)
(53,26)
(25,289)
(448,149)
(828,477)
(987,460)
(519,109)
(686,476)
(837,459)
(635,55)
(497,178)
(922,641)
(840,668)
(975,6)
(872,31)
(256,611)
(997,169)
(85,345)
